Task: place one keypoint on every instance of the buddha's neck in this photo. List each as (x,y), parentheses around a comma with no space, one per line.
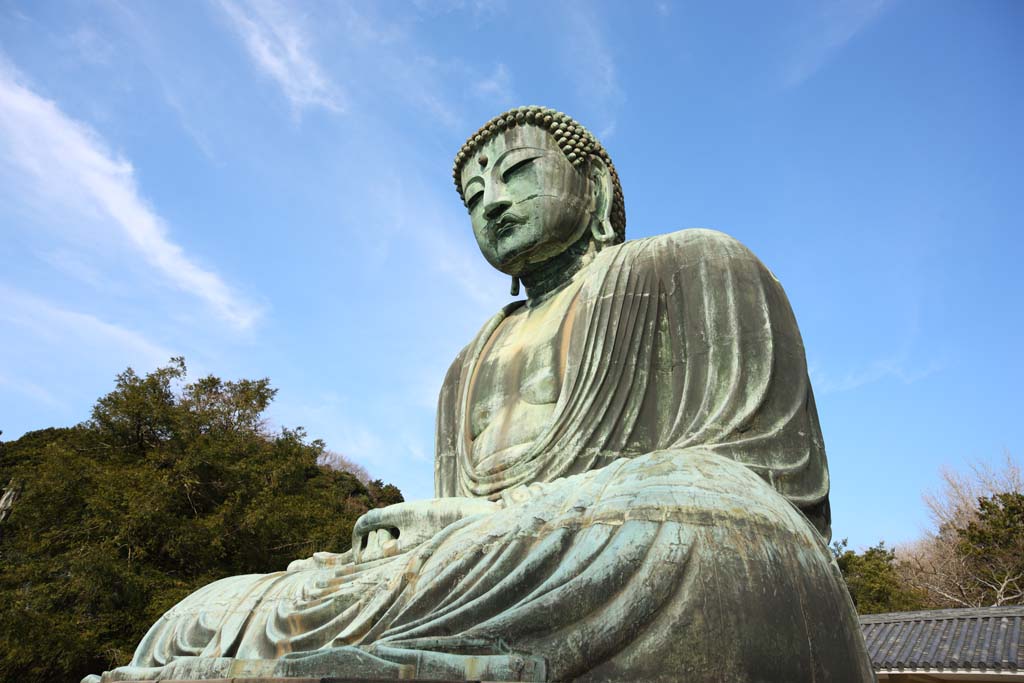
(551,275)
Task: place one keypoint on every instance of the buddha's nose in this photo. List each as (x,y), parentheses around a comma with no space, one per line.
(494,209)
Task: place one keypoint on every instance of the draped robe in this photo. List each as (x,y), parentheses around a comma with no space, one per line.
(669,523)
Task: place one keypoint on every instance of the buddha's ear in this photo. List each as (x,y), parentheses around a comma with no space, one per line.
(602,194)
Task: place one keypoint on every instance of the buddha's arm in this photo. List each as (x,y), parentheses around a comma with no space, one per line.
(397,528)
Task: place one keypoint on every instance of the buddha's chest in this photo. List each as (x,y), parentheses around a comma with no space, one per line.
(518,376)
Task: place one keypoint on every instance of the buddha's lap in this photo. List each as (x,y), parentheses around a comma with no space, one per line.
(678,556)
(578,532)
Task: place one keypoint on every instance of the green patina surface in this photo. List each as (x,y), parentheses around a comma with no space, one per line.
(630,476)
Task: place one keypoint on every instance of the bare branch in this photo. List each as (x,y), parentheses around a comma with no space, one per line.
(342,463)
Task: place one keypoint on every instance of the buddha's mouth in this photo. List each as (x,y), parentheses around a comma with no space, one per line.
(506,225)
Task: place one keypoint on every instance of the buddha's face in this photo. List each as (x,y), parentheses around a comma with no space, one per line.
(526,200)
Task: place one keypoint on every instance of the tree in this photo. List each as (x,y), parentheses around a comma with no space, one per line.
(169,486)
(992,546)
(338,461)
(873,581)
(966,562)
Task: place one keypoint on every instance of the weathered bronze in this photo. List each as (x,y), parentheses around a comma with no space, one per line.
(630,474)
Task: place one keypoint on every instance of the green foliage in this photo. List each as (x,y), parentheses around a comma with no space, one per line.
(873,581)
(992,548)
(170,485)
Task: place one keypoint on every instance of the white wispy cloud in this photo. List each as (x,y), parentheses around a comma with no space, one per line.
(197,135)
(54,358)
(394,63)
(90,46)
(67,162)
(32,391)
(391,451)
(894,368)
(467,268)
(329,417)
(381,59)
(827,32)
(497,86)
(49,321)
(279,45)
(479,9)
(43,323)
(418,214)
(72,264)
(589,53)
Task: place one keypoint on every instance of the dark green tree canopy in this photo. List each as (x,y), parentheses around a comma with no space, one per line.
(873,581)
(170,485)
(992,545)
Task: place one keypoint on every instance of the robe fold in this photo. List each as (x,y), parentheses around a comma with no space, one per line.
(677,341)
(670,522)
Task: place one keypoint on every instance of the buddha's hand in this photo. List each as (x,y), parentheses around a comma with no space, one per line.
(397,528)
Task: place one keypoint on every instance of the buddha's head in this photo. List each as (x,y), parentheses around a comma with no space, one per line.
(536,183)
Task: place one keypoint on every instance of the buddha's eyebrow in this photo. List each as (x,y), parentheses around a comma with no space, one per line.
(507,152)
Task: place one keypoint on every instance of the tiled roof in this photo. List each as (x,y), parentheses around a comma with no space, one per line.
(971,639)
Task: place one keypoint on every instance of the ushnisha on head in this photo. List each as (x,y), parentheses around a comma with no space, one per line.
(541,192)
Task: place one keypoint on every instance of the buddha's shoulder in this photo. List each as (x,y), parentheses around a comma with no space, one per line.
(686,248)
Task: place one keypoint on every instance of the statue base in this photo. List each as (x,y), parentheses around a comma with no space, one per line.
(331,679)
(327,667)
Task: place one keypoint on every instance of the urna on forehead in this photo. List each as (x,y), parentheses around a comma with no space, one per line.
(572,138)
(491,150)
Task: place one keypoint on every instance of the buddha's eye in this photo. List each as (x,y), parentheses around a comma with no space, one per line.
(474,199)
(516,167)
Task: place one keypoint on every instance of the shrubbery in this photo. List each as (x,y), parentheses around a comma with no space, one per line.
(170,485)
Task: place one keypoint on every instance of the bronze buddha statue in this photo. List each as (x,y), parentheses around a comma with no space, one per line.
(630,476)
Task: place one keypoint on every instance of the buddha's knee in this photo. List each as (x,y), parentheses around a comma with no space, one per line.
(696,487)
(759,578)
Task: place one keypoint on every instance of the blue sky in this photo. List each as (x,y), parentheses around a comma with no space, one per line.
(264,187)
